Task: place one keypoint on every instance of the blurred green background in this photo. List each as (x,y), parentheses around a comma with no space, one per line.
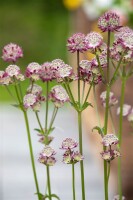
(40,27)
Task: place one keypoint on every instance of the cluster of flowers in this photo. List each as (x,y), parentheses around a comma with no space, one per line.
(70,156)
(109,141)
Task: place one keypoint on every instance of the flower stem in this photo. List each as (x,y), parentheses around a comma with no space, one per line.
(96,106)
(52,119)
(120,134)
(73,181)
(38,120)
(29,140)
(49,184)
(46,113)
(88,93)
(81,151)
(31,152)
(78,77)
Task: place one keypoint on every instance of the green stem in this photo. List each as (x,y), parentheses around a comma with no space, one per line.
(78,77)
(108,57)
(31,152)
(8,90)
(52,119)
(83,92)
(106,110)
(29,140)
(120,133)
(81,151)
(112,121)
(73,181)
(108,171)
(88,93)
(100,68)
(46,113)
(49,184)
(70,93)
(38,120)
(96,106)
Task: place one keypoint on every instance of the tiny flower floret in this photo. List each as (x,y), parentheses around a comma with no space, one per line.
(29,100)
(12,52)
(109,139)
(47,156)
(64,71)
(69,143)
(77,43)
(12,70)
(93,40)
(109,21)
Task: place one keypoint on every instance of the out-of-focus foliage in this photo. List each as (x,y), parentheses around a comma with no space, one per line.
(39,27)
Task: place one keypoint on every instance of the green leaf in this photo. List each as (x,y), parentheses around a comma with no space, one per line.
(55,196)
(40,195)
(51,130)
(99,129)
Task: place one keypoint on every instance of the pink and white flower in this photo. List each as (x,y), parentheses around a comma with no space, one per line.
(93,40)
(12,52)
(109,139)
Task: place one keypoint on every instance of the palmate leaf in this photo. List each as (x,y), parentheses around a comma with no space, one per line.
(99,129)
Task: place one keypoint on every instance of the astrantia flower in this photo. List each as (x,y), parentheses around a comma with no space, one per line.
(48,151)
(33,70)
(45,140)
(77,43)
(93,40)
(109,155)
(122,31)
(12,52)
(4,78)
(117,197)
(77,157)
(64,71)
(126,110)
(57,63)
(109,21)
(109,139)
(47,72)
(29,100)
(112,99)
(34,89)
(12,70)
(69,143)
(47,156)
(127,40)
(58,95)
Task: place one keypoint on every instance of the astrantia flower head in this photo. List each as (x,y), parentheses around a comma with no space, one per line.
(127,40)
(47,156)
(58,95)
(77,43)
(45,140)
(93,40)
(109,21)
(29,100)
(69,143)
(12,70)
(112,99)
(48,151)
(109,139)
(122,31)
(72,157)
(12,52)
(4,78)
(64,71)
(109,155)
(126,110)
(57,63)
(33,70)
(77,157)
(117,197)
(47,72)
